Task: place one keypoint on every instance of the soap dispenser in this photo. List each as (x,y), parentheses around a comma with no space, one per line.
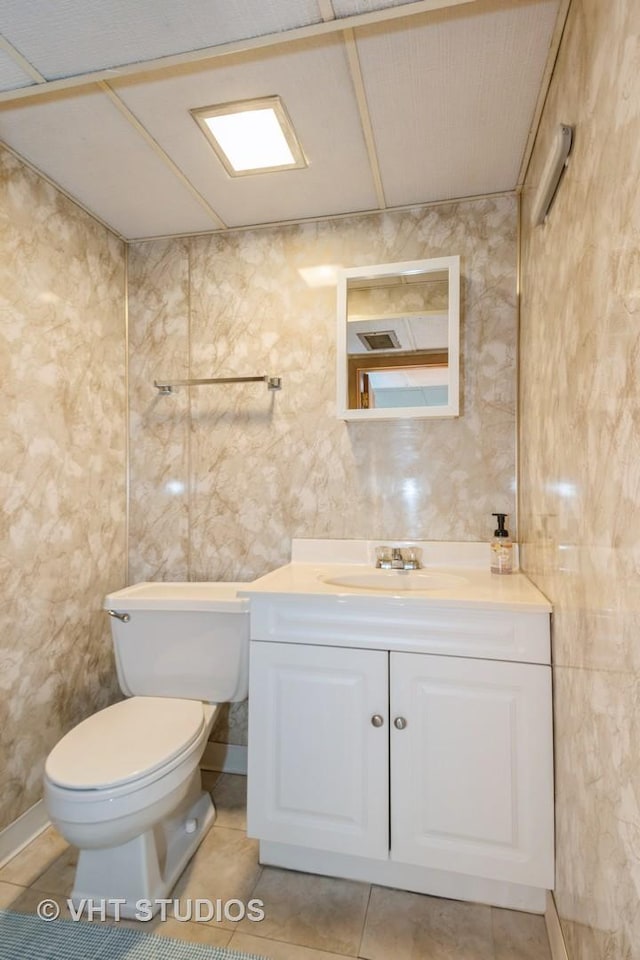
(501,547)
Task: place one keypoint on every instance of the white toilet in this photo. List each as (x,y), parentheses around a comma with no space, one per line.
(124,785)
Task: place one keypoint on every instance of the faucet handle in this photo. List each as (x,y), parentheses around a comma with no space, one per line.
(398,558)
(383,557)
(411,557)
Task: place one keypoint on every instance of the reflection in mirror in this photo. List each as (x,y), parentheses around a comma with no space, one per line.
(398,340)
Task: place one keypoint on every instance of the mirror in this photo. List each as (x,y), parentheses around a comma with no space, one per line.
(398,340)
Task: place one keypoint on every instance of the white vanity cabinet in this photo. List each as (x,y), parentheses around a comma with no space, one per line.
(319,768)
(434,761)
(471,767)
(404,740)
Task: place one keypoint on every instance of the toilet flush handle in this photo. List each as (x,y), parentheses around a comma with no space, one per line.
(119,616)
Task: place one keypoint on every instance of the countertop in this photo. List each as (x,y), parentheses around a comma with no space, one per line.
(473,587)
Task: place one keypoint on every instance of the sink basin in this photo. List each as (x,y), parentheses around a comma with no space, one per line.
(396,581)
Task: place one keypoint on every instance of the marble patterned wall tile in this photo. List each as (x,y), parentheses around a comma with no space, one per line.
(581,346)
(232,724)
(598,770)
(158,298)
(580,465)
(62,423)
(268,467)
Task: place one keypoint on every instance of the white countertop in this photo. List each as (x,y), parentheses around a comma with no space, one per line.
(471,586)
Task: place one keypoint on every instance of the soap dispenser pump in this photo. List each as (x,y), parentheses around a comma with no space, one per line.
(501,547)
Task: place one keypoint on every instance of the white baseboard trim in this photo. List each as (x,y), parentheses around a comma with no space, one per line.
(227,757)
(554,930)
(22,831)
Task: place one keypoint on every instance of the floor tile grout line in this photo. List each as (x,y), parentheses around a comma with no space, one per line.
(364,921)
(492,926)
(32,885)
(37,889)
(258,879)
(40,874)
(292,943)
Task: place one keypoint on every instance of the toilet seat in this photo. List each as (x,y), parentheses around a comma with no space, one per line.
(125,743)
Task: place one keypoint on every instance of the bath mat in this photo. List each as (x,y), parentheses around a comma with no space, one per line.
(27,937)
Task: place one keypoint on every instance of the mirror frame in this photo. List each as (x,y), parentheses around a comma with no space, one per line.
(452,408)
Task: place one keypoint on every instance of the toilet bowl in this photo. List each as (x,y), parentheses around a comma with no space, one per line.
(124,785)
(98,796)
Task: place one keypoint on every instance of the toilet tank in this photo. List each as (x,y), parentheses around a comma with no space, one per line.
(185,640)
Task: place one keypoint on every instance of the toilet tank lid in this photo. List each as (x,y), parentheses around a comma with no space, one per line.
(125,742)
(205,595)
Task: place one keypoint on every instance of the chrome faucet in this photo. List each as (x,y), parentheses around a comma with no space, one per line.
(396,558)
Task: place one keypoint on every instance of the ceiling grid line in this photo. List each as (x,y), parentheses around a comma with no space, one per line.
(326,10)
(22,61)
(244,45)
(65,193)
(328,217)
(155,146)
(365,116)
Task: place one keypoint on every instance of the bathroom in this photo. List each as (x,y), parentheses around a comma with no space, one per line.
(108,482)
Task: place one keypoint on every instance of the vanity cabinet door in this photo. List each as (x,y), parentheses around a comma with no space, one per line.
(318,748)
(472,770)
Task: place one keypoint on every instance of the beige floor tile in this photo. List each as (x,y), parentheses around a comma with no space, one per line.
(409,926)
(230,799)
(224,868)
(61,874)
(277,950)
(519,936)
(29,900)
(319,912)
(34,859)
(9,893)
(193,932)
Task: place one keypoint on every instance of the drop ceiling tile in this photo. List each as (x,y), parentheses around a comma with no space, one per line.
(350,8)
(313,80)
(76,36)
(452,96)
(11,75)
(84,144)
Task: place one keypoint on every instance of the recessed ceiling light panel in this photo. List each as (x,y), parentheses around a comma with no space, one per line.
(251,136)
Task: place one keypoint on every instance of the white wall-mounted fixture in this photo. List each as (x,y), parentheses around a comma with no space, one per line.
(401,318)
(552,173)
(251,136)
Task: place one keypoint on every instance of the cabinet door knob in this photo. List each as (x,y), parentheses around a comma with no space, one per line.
(377,720)
(399,723)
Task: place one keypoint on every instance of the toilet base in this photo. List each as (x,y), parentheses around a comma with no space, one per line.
(146,868)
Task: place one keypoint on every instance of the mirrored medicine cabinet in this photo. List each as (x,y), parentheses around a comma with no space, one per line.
(398,340)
